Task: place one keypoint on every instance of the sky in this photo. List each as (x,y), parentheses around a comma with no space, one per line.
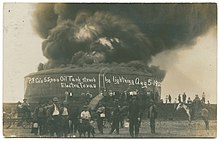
(192,70)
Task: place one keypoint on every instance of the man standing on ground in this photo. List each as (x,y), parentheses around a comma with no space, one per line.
(184,97)
(169,98)
(101,115)
(134,117)
(115,118)
(55,118)
(152,115)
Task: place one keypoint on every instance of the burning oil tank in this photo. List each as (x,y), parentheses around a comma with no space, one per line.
(76,81)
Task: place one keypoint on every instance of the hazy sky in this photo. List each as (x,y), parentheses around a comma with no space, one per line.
(191,70)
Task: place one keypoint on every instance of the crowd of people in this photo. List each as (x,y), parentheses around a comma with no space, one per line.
(183,98)
(62,118)
(57,118)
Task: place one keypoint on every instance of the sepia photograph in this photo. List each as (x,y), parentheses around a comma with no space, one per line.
(109,70)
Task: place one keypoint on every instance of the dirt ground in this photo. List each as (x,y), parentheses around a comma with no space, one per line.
(164,129)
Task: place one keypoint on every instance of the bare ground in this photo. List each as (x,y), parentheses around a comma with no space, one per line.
(164,129)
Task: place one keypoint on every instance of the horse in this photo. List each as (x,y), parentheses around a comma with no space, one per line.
(186,108)
(204,113)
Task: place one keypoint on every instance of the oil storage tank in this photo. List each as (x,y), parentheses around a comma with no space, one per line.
(76,81)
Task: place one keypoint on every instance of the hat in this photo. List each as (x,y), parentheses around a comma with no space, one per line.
(151,101)
(55,99)
(134,97)
(116,100)
(85,106)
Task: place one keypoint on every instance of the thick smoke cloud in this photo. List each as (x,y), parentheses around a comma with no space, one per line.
(121,33)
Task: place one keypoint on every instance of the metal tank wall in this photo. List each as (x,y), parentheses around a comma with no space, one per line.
(47,85)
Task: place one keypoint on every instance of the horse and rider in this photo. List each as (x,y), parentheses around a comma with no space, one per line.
(195,111)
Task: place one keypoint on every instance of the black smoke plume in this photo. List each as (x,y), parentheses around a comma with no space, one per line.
(121,33)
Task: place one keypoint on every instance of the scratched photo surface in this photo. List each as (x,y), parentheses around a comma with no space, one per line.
(109,70)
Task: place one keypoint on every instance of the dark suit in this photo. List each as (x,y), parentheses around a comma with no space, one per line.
(152,115)
(115,119)
(134,117)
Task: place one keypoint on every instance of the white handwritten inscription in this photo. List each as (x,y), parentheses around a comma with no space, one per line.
(49,79)
(70,81)
(124,80)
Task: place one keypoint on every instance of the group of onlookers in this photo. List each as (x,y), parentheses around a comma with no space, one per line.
(63,119)
(183,98)
(57,118)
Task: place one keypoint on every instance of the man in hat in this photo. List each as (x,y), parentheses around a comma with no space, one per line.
(74,115)
(134,117)
(55,118)
(101,115)
(85,114)
(26,109)
(115,117)
(19,109)
(196,107)
(84,125)
(152,115)
(41,117)
(65,112)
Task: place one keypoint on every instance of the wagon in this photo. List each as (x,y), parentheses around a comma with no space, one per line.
(10,121)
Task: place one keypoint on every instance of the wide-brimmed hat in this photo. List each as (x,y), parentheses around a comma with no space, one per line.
(55,99)
(85,106)
(65,102)
(151,101)
(134,97)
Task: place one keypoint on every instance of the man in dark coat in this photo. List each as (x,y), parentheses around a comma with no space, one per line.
(184,97)
(100,117)
(41,117)
(152,115)
(74,117)
(115,118)
(134,117)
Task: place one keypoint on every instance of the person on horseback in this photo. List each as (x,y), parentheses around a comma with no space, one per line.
(202,112)
(196,107)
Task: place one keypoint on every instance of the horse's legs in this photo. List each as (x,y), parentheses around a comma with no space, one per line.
(206,124)
(189,116)
(205,119)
